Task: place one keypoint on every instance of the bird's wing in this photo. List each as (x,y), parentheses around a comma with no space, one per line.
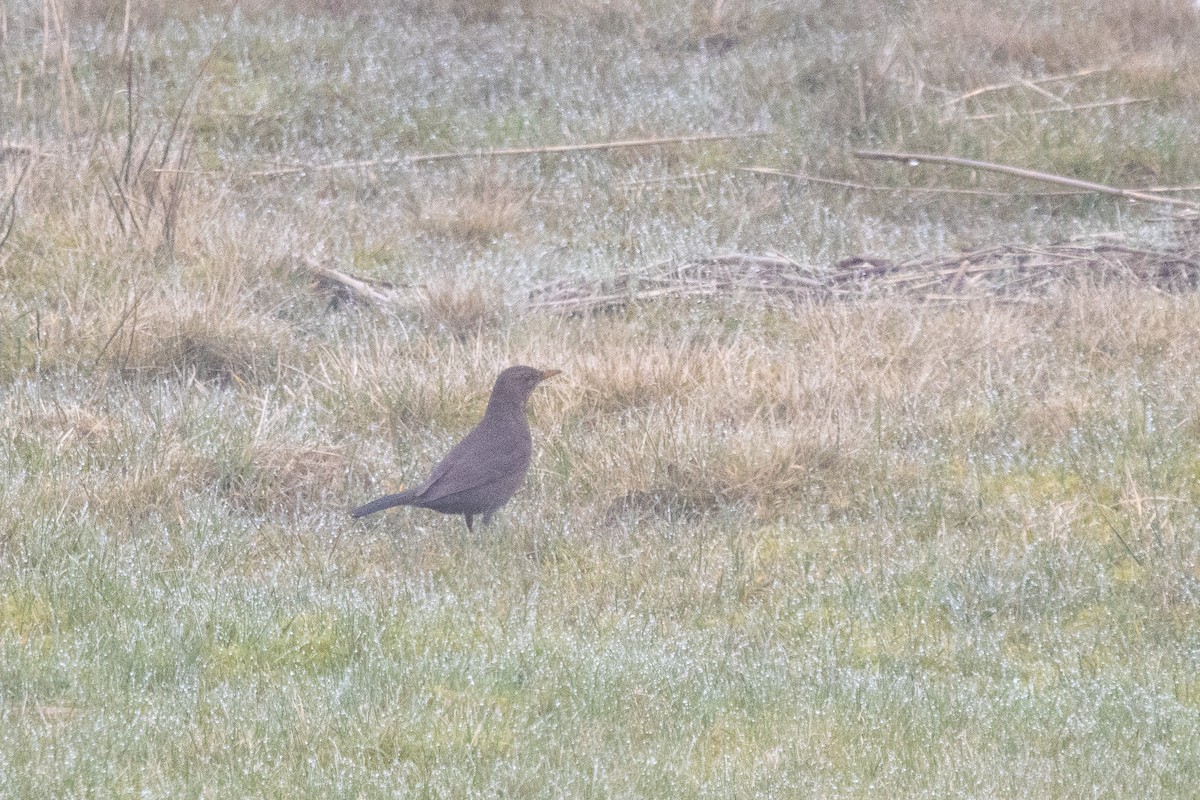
(471,464)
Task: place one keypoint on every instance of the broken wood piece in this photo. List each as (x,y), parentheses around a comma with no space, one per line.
(1020,172)
(348,287)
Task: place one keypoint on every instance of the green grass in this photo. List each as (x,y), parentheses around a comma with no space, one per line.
(868,548)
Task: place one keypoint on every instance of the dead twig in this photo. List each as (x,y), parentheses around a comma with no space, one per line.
(865,187)
(999,87)
(509,151)
(348,286)
(575,148)
(1020,172)
(1123,101)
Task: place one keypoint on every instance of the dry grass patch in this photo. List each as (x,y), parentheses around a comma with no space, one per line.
(72,423)
(397,389)
(219,350)
(618,373)
(214,338)
(274,476)
(1068,36)
(811,407)
(478,208)
(462,309)
(762,471)
(1167,79)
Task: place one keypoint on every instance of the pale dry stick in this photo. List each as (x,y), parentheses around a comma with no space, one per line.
(355,286)
(909,189)
(747,259)
(1122,101)
(125,28)
(511,151)
(1019,172)
(999,87)
(1028,84)
(689,176)
(1192,188)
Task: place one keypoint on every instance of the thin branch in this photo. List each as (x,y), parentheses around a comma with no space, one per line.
(575,148)
(690,177)
(130,128)
(1123,101)
(1044,92)
(999,87)
(510,151)
(865,187)
(1192,188)
(1020,172)
(354,287)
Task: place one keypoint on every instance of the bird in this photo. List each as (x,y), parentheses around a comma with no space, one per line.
(484,470)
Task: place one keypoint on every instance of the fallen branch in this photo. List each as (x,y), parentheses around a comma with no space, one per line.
(1020,172)
(347,286)
(866,187)
(575,148)
(998,87)
(1028,84)
(509,151)
(1123,101)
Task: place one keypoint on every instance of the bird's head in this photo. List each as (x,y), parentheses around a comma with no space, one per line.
(515,384)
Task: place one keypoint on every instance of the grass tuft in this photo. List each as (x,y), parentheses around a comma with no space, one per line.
(464,311)
(481,208)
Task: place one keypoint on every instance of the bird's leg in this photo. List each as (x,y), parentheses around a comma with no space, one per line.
(487,518)
(470,518)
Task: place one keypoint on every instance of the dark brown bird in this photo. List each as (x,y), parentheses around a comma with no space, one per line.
(485,469)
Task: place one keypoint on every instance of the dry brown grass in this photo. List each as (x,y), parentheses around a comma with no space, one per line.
(461,309)
(482,206)
(805,408)
(1062,38)
(73,424)
(279,476)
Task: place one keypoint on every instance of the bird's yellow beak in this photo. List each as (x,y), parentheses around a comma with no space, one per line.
(550,373)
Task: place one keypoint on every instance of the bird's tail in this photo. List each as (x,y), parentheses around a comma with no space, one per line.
(387,501)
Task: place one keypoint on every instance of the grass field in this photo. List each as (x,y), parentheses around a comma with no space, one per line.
(891,544)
